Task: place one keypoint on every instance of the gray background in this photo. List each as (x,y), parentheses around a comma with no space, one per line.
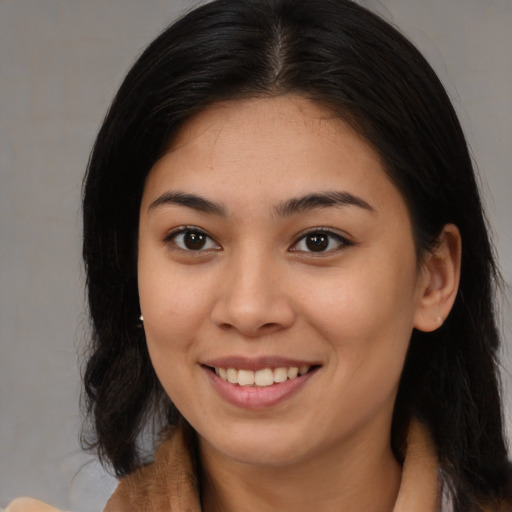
(60,64)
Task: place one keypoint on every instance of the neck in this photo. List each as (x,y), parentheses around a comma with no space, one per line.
(365,476)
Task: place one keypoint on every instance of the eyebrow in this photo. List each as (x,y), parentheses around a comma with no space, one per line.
(320,200)
(287,208)
(190,201)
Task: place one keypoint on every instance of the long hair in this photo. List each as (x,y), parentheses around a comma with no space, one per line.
(338,54)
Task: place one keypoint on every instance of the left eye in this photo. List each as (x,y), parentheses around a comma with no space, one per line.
(320,241)
(192,240)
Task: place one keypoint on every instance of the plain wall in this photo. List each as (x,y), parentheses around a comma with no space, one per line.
(60,64)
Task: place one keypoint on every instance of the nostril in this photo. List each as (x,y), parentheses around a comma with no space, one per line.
(251,318)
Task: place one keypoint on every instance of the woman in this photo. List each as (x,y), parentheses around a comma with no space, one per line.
(289,274)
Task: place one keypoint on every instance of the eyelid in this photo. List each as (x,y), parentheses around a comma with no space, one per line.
(173,233)
(343,239)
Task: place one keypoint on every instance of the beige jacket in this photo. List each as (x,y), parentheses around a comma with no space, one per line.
(169,483)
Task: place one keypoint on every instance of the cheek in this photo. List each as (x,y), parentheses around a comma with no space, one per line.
(173,310)
(174,300)
(364,311)
(171,321)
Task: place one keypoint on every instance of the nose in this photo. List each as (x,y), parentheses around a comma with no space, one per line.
(252,297)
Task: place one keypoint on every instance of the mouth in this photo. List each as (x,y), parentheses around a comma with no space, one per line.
(263,377)
(259,383)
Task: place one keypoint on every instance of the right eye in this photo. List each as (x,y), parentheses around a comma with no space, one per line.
(192,239)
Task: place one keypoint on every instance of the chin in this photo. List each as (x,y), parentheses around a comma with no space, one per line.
(266,450)
(265,456)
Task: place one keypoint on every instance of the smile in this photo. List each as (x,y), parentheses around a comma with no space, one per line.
(258,383)
(261,378)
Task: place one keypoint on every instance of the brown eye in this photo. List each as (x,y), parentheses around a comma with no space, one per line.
(192,240)
(317,242)
(320,242)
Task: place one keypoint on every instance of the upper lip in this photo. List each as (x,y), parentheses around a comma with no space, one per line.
(257,363)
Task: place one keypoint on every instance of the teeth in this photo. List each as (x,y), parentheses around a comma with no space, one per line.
(232,375)
(245,377)
(280,374)
(260,378)
(293,372)
(264,377)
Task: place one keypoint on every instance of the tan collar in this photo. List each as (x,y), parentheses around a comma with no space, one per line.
(166,485)
(169,483)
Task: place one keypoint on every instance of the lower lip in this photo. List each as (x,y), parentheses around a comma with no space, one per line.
(257,397)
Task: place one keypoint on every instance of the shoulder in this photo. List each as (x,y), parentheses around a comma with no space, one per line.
(28,505)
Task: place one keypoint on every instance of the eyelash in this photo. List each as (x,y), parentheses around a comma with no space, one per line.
(341,242)
(183,230)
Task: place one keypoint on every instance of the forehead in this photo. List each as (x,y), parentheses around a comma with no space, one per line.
(272,149)
(273,120)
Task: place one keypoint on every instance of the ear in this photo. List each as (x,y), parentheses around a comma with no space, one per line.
(439,281)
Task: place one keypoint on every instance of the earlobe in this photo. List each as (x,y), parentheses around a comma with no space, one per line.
(439,281)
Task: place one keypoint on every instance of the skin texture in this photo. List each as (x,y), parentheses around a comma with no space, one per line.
(255,289)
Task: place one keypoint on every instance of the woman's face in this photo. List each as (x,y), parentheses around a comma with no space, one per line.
(272,242)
